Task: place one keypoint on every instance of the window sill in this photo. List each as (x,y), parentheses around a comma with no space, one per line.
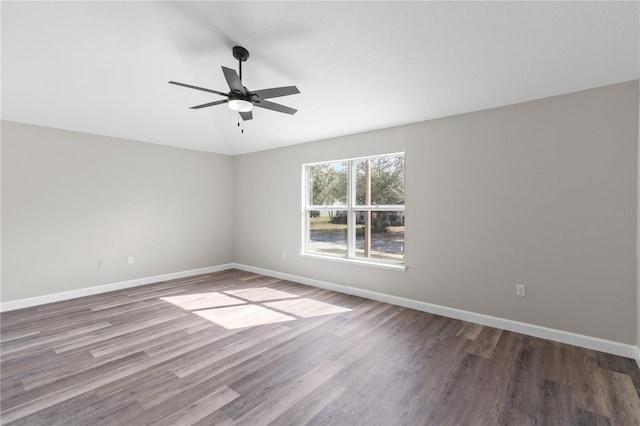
(390,266)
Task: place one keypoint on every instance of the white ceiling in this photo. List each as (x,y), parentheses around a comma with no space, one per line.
(103,67)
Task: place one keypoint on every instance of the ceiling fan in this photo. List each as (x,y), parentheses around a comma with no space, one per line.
(241,99)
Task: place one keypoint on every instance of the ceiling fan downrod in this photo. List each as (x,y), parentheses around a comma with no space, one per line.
(241,54)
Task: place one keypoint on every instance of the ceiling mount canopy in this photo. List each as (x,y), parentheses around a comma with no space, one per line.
(240,53)
(241,99)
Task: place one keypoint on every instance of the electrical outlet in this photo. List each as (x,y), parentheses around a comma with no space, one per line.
(521,290)
(284,254)
(100,264)
(130,259)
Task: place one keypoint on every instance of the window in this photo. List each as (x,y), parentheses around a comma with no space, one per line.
(354,209)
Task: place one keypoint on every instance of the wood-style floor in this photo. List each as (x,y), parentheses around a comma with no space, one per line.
(240,348)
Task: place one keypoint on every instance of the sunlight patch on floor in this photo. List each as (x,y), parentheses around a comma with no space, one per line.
(306,308)
(250,307)
(260,294)
(243,316)
(195,301)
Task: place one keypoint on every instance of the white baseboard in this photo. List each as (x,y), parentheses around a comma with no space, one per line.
(588,342)
(608,346)
(88,291)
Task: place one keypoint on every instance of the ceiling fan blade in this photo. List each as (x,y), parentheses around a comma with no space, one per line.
(233,80)
(276,92)
(275,107)
(246,115)
(224,101)
(197,88)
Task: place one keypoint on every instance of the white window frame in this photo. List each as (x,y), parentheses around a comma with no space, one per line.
(351,208)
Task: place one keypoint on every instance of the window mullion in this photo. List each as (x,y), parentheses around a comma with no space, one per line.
(383,208)
(367,201)
(306,211)
(351,215)
(336,207)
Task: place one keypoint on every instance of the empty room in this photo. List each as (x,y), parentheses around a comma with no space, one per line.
(325,213)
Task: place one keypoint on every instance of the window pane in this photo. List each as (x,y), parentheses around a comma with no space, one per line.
(387,235)
(387,180)
(328,184)
(328,232)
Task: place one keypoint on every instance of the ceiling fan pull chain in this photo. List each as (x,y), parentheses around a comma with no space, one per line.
(242,128)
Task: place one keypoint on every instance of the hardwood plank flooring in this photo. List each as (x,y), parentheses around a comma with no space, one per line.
(236,348)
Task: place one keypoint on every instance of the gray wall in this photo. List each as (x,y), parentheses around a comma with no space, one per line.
(69,199)
(517,194)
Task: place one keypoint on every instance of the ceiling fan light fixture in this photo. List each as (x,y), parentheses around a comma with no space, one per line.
(240,105)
